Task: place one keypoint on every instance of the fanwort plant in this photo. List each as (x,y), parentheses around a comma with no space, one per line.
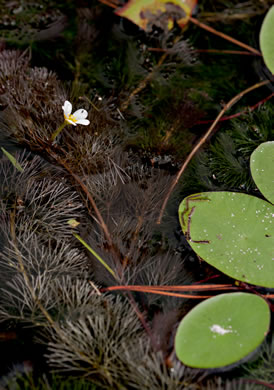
(233,232)
(48,279)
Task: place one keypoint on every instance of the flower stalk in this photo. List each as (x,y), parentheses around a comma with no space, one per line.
(58,131)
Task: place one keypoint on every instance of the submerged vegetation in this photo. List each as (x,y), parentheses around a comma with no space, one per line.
(90,242)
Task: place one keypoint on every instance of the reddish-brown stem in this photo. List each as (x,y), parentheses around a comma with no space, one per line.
(110,243)
(251,108)
(247,53)
(163,290)
(206,287)
(158,49)
(109,3)
(141,318)
(178,295)
(109,240)
(207,279)
(171,294)
(224,36)
(92,202)
(113,4)
(258,382)
(203,139)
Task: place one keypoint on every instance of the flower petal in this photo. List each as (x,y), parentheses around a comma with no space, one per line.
(83,122)
(71,122)
(80,114)
(67,108)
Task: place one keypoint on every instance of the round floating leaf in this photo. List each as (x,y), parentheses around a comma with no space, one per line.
(262,168)
(233,232)
(222,330)
(162,13)
(267,38)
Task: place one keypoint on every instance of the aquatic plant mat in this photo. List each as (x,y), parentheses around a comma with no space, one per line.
(136,195)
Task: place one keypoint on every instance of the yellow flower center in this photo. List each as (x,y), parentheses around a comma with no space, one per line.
(71,118)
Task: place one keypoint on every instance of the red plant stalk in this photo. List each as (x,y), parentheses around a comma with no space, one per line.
(164,290)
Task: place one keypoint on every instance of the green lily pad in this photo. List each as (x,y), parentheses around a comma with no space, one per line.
(262,168)
(222,330)
(233,232)
(267,38)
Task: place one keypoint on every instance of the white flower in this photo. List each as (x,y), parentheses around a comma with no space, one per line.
(77,118)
